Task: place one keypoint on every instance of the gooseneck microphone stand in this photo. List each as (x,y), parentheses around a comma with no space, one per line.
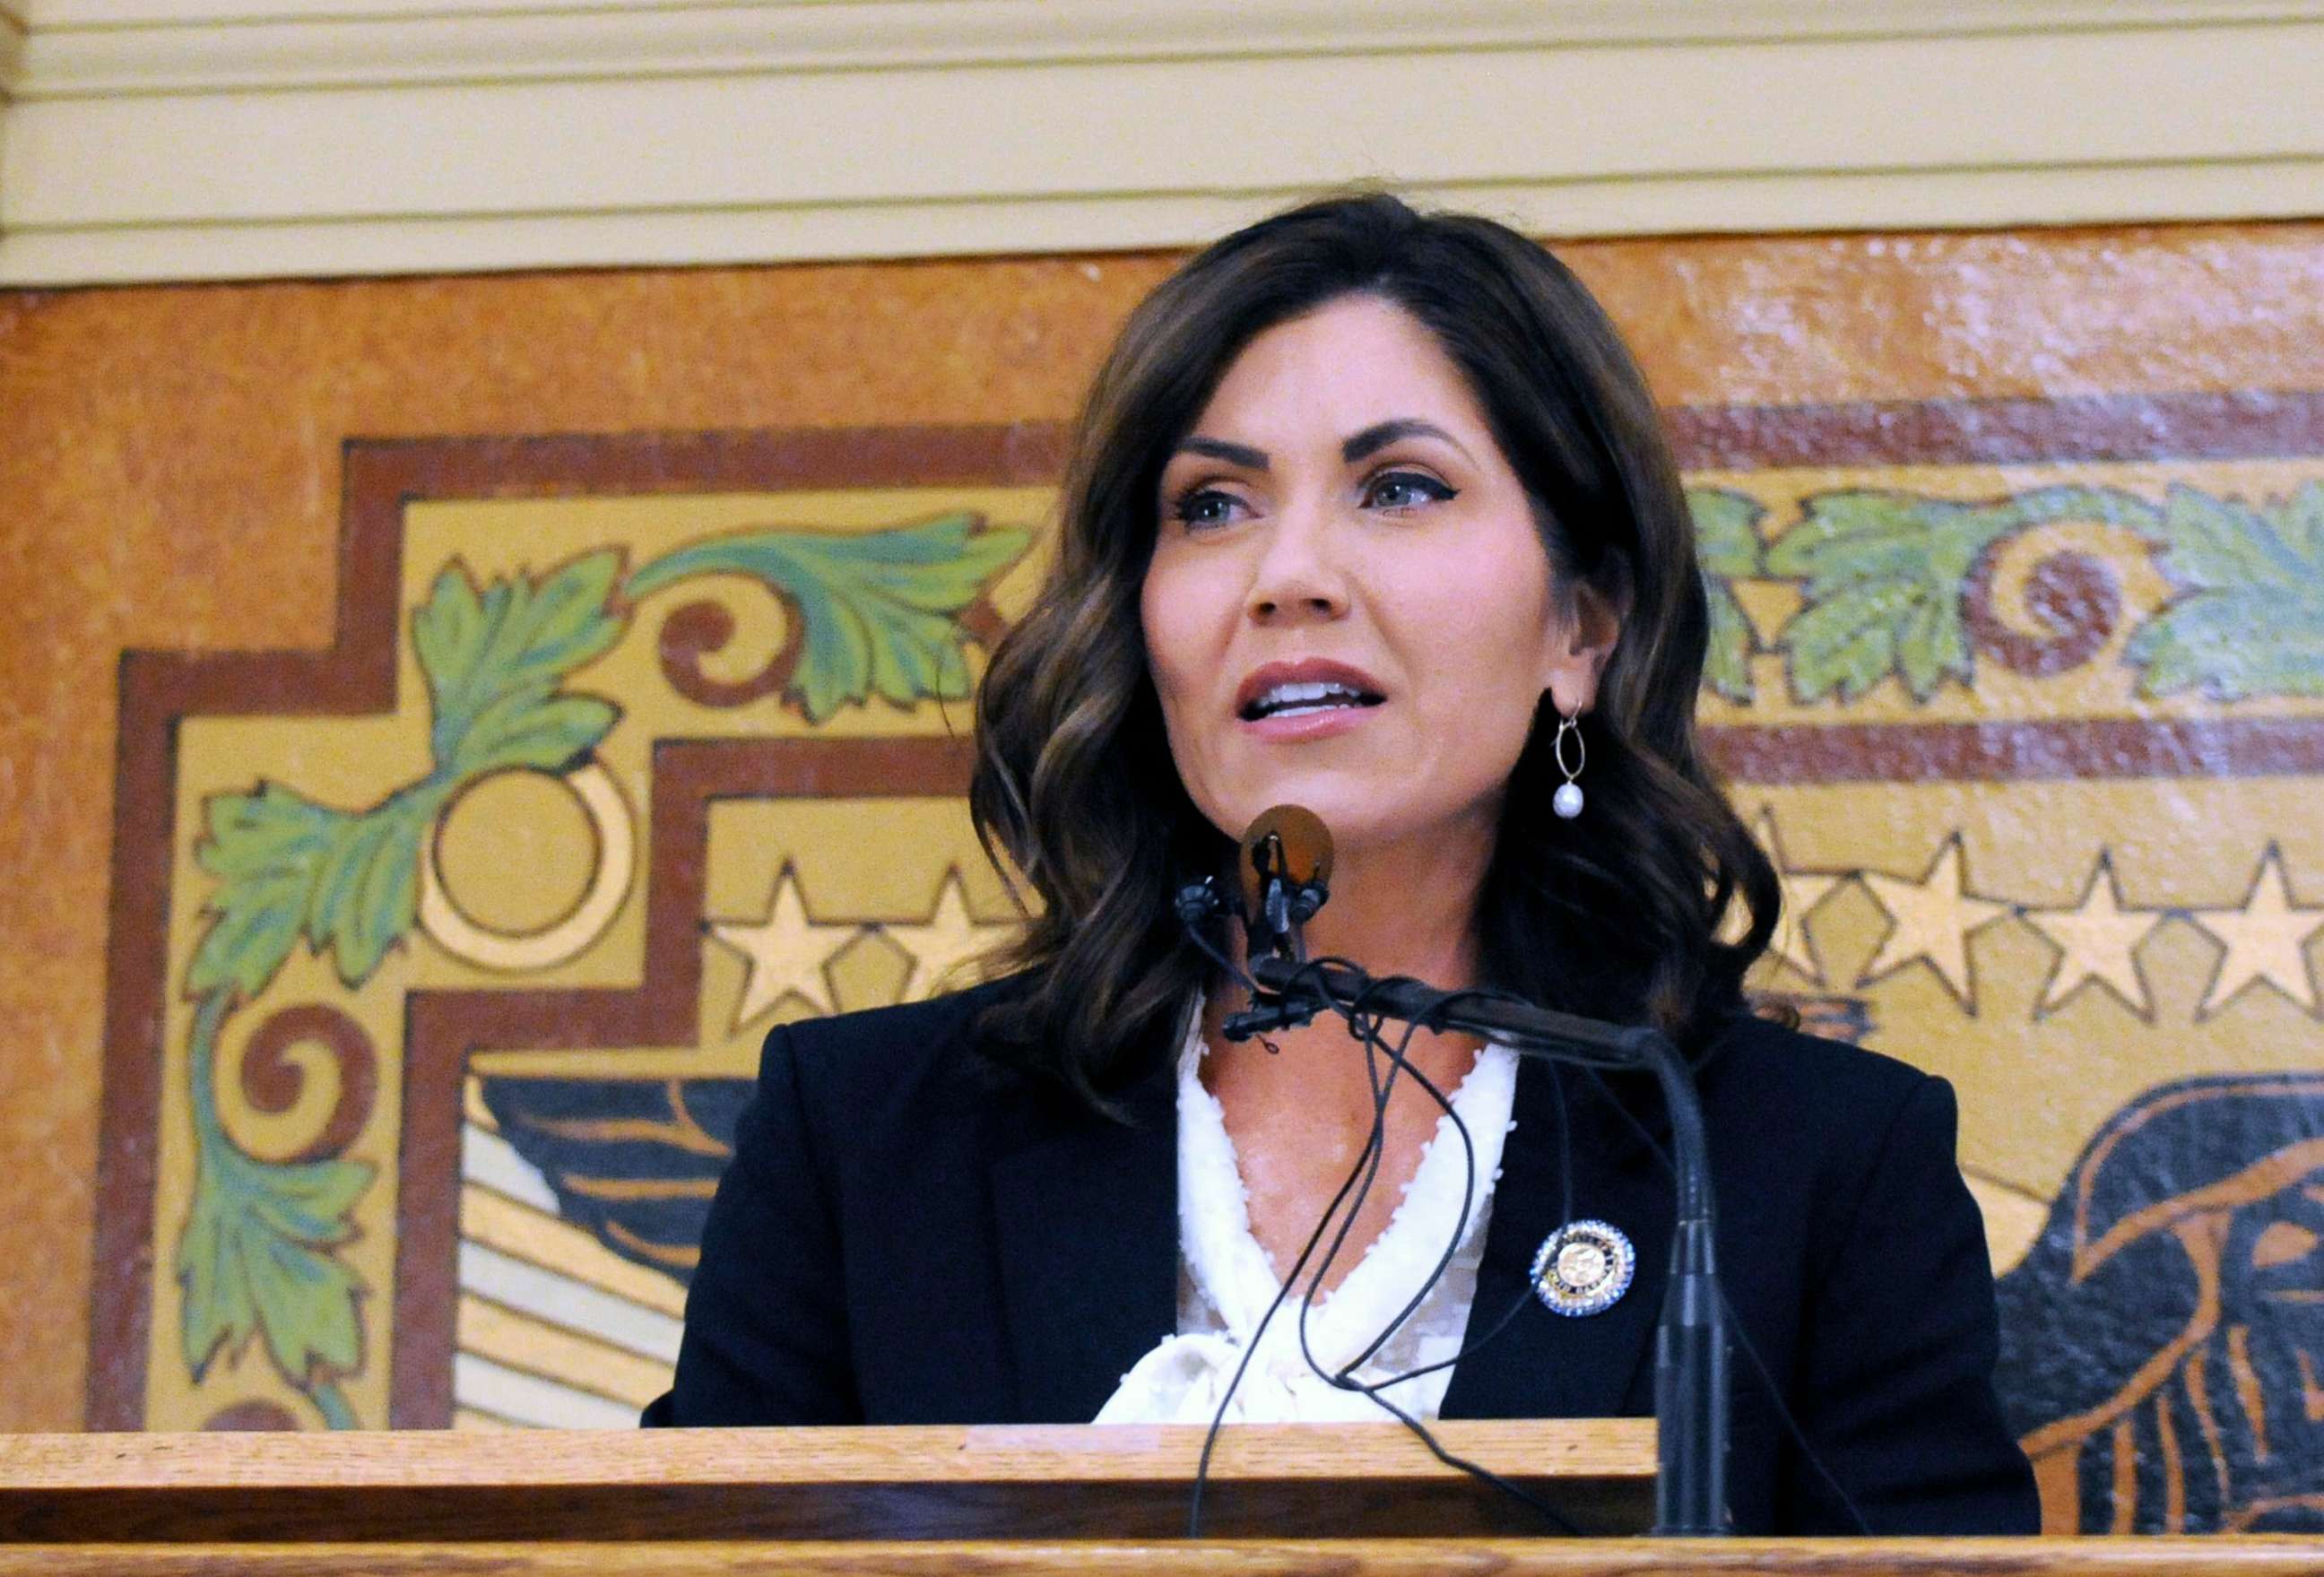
(1690,1389)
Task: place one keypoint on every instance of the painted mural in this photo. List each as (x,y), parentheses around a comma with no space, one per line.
(442,957)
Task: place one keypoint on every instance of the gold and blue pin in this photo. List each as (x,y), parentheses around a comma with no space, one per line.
(1584,1268)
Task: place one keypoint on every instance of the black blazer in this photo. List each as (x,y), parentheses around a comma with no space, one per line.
(905,1236)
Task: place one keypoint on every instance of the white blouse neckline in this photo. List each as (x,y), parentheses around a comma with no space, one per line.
(1228,1281)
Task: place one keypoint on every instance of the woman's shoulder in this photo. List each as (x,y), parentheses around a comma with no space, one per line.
(1835,1098)
(1780,1061)
(902,1044)
(1835,1128)
(912,1083)
(901,1028)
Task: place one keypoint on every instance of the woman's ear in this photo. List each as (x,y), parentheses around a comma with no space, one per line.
(1580,649)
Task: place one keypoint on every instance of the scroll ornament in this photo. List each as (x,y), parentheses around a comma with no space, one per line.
(259,1254)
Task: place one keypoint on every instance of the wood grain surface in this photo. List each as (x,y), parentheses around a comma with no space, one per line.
(1383,1452)
(1078,1481)
(1207,1558)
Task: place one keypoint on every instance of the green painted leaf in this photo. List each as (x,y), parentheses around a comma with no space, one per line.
(2249,618)
(1727,541)
(255,1260)
(495,657)
(1843,645)
(215,1311)
(309,1201)
(1726,530)
(1882,573)
(267,850)
(332,1403)
(365,892)
(1931,644)
(534,728)
(2302,517)
(346,881)
(306,1304)
(288,867)
(878,609)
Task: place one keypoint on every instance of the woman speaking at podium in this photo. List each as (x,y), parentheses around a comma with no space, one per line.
(1368,512)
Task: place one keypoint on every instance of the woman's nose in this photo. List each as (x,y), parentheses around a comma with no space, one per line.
(1297,574)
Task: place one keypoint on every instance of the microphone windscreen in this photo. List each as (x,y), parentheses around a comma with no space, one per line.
(1307,845)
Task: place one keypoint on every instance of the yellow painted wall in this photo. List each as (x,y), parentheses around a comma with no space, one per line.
(170,472)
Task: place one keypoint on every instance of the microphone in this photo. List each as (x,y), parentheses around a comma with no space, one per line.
(1287,870)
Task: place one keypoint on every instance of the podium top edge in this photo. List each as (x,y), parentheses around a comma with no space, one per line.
(1594,1448)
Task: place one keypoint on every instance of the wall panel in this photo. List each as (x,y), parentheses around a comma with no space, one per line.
(176,468)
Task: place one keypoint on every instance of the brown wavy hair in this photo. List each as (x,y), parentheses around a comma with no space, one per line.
(1617,914)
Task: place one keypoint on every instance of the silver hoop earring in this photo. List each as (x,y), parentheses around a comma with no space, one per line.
(1567,800)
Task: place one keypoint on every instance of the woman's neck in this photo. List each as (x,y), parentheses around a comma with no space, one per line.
(1406,908)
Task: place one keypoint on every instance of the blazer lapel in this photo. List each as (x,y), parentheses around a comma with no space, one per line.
(1088,1234)
(1547,1365)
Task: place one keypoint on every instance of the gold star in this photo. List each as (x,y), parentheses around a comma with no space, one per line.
(1803,890)
(2094,941)
(949,938)
(1933,918)
(786,951)
(2265,939)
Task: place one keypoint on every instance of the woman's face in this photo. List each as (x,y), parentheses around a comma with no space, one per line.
(1348,606)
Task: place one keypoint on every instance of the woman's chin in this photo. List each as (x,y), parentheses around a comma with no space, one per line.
(1355,819)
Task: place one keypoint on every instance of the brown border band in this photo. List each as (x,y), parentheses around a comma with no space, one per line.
(355,675)
(1990,753)
(2068,429)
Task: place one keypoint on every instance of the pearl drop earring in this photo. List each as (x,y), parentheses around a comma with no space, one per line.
(1567,800)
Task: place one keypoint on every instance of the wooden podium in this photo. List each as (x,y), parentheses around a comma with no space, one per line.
(1356,1498)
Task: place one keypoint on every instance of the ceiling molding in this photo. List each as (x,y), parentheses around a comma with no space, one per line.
(1920,200)
(91,48)
(1591,123)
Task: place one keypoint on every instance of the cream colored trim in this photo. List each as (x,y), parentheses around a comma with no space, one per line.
(1959,199)
(84,48)
(1137,128)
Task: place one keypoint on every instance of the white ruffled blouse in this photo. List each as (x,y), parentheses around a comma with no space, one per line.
(1226,1280)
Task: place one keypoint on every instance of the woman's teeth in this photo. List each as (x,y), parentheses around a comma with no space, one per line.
(1300,700)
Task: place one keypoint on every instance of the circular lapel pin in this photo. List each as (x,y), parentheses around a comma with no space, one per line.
(1584,1268)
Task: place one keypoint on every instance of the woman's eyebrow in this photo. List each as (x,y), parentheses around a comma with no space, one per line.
(1242,455)
(1381,434)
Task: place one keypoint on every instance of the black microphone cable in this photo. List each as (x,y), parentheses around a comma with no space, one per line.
(1359,1181)
(1519,1304)
(1250,1347)
(1344,1379)
(1366,1028)
(1374,1046)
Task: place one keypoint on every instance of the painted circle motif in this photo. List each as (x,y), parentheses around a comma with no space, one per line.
(565,939)
(1584,1268)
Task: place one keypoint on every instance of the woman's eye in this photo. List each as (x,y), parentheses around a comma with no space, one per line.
(1404,489)
(1204,506)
